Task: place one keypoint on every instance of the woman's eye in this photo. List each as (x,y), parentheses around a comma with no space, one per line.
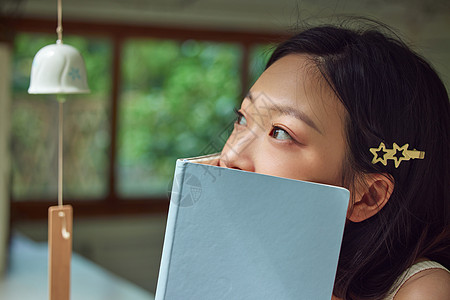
(280,134)
(240,119)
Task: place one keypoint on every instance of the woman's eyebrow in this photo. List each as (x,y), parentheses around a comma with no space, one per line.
(287,110)
(298,114)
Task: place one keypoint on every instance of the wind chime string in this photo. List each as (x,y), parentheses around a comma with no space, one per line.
(59,29)
(60,154)
(61,214)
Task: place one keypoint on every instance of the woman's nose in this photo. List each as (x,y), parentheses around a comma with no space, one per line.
(238,152)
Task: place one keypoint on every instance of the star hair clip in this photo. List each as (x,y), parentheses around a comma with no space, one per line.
(397,154)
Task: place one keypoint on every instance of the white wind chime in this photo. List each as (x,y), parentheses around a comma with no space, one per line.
(59,69)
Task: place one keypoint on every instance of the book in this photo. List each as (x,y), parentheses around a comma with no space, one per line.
(233,234)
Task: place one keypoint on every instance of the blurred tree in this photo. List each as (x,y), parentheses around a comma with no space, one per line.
(176,98)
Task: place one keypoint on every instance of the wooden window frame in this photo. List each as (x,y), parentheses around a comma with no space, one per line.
(118,34)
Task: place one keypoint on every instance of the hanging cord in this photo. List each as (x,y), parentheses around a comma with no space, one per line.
(59,29)
(60,153)
(61,99)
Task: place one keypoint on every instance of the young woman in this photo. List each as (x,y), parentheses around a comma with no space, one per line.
(359,109)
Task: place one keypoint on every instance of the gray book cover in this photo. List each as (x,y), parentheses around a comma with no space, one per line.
(233,234)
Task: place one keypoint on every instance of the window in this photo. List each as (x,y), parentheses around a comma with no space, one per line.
(34,128)
(157,95)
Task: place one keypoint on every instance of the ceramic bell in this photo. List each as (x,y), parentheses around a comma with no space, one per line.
(58,69)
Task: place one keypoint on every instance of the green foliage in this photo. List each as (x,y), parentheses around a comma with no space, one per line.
(177,97)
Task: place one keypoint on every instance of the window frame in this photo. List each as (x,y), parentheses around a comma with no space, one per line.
(118,34)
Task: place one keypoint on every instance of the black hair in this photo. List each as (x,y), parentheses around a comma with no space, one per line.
(391,95)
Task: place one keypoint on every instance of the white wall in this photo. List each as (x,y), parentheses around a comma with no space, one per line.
(5,100)
(425,24)
(413,16)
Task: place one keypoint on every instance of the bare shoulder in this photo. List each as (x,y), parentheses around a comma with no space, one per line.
(431,284)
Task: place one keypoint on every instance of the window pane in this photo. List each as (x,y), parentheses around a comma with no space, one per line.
(35,123)
(259,55)
(177,101)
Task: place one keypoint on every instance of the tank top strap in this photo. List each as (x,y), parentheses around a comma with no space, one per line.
(413,270)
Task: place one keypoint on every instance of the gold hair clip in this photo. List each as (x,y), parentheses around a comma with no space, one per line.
(398,154)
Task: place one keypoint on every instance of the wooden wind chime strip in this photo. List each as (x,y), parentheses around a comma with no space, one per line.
(59,251)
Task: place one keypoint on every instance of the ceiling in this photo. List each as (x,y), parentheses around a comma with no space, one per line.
(416,17)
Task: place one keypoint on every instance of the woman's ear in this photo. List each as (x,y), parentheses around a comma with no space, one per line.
(371,196)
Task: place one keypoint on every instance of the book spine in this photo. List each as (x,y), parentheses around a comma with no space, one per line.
(178,183)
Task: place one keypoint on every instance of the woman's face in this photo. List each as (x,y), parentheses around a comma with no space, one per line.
(290,125)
